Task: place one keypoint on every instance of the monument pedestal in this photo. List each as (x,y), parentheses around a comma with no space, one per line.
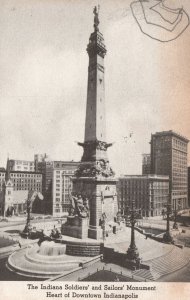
(95,232)
(102,196)
(76,227)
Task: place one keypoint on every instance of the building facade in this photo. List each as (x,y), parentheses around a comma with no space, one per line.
(15,189)
(44,165)
(20,165)
(62,186)
(2,178)
(26,181)
(189,186)
(169,157)
(55,182)
(146,164)
(150,193)
(15,183)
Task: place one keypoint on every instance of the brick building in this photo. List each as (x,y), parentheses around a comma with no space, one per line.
(150,193)
(26,181)
(189,186)
(2,178)
(169,157)
(20,165)
(56,179)
(44,165)
(62,185)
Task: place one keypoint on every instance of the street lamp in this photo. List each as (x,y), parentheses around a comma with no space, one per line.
(31,197)
(126,215)
(132,252)
(167,236)
(28,227)
(175,225)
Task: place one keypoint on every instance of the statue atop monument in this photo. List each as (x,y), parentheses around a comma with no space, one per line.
(96,18)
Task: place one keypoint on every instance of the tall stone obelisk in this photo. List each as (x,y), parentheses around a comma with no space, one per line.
(94,178)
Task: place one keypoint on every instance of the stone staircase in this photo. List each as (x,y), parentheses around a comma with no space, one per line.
(147,275)
(168,263)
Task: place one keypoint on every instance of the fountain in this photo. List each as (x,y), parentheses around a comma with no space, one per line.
(44,261)
(51,249)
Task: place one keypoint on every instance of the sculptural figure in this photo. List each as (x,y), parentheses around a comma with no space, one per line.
(96,18)
(78,206)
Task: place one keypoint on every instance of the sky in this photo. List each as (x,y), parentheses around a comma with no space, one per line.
(43,80)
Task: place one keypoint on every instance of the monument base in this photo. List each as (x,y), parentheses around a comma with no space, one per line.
(76,227)
(94,232)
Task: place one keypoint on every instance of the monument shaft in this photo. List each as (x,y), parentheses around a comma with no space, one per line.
(94,178)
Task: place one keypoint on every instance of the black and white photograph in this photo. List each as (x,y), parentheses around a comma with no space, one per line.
(94,149)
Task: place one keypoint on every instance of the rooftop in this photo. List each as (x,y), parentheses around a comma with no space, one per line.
(171,132)
(148,176)
(26,172)
(21,161)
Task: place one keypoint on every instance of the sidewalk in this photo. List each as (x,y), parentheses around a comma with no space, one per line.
(99,266)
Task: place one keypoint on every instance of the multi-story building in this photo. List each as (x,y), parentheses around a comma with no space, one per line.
(146,164)
(150,193)
(15,187)
(52,186)
(44,165)
(169,157)
(26,181)
(62,185)
(2,178)
(189,186)
(20,165)
(2,183)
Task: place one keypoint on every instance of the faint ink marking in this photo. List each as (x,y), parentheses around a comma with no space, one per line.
(173,32)
(176,11)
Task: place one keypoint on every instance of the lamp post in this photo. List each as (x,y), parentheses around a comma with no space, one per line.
(127,215)
(132,252)
(28,226)
(167,236)
(175,225)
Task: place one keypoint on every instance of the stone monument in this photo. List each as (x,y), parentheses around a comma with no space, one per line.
(94,179)
(78,220)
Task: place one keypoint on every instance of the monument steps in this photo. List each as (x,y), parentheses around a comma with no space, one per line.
(169,263)
(147,274)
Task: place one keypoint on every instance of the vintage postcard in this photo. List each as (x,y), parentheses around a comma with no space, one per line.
(94,160)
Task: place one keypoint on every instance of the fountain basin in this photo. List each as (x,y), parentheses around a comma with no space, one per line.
(44,261)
